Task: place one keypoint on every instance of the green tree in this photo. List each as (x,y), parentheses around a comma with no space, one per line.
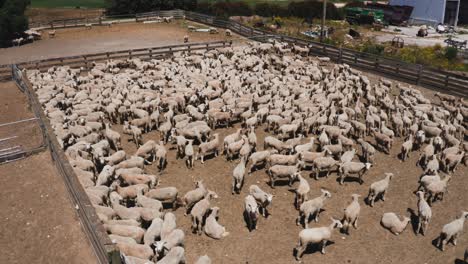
(13,21)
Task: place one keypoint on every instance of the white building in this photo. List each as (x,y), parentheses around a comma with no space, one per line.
(432,11)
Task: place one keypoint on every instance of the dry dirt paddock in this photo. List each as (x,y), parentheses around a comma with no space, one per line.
(38,222)
(277,235)
(76,41)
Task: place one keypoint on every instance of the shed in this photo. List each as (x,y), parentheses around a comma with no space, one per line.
(433,12)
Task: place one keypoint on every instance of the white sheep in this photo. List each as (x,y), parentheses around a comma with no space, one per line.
(238,176)
(199,211)
(175,256)
(169,224)
(352,167)
(316,235)
(391,222)
(263,199)
(251,212)
(212,228)
(424,213)
(351,213)
(258,158)
(207,148)
(153,232)
(165,195)
(194,196)
(174,239)
(301,191)
(379,188)
(189,154)
(312,207)
(451,231)
(437,189)
(282,171)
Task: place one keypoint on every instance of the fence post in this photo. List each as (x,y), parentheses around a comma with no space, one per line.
(418,80)
(340,59)
(251,32)
(446,81)
(355,58)
(151,53)
(86,62)
(376,64)
(100,20)
(397,69)
(130,54)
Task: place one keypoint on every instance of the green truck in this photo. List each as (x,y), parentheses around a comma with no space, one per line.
(358,15)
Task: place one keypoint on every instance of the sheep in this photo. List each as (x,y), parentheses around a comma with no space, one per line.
(311,207)
(189,154)
(259,157)
(105,175)
(428,152)
(316,235)
(133,162)
(212,228)
(348,156)
(161,155)
(194,196)
(132,179)
(351,213)
(451,231)
(391,222)
(234,148)
(282,171)
(122,240)
(383,141)
(424,213)
(168,225)
(238,176)
(143,201)
(199,211)
(368,151)
(324,164)
(207,148)
(115,158)
(135,260)
(134,232)
(167,194)
(153,232)
(305,147)
(181,142)
(147,150)
(301,191)
(231,138)
(251,212)
(113,137)
(176,238)
(135,250)
(263,199)
(451,161)
(203,260)
(279,159)
(308,157)
(175,256)
(270,141)
(406,148)
(379,188)
(437,189)
(432,165)
(353,168)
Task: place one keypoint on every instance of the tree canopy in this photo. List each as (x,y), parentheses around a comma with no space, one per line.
(12,20)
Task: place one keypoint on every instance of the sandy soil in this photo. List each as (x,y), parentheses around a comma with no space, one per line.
(28,134)
(76,41)
(38,222)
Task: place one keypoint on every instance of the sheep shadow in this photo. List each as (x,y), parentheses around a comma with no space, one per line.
(352,178)
(246,221)
(258,167)
(459,261)
(435,243)
(414,219)
(312,248)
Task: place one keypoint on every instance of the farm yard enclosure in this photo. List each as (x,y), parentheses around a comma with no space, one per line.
(290,89)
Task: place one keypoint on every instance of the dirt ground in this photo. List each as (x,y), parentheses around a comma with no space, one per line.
(277,235)
(76,41)
(38,222)
(44,15)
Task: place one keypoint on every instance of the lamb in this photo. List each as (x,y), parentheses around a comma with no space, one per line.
(165,245)
(167,194)
(207,148)
(282,171)
(199,211)
(259,157)
(189,154)
(251,212)
(134,232)
(379,188)
(301,191)
(175,256)
(351,213)
(424,213)
(315,235)
(212,228)
(238,176)
(263,199)
(311,207)
(451,231)
(353,168)
(437,189)
(194,196)
(391,222)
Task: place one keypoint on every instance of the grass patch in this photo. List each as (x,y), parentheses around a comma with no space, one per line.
(68,3)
